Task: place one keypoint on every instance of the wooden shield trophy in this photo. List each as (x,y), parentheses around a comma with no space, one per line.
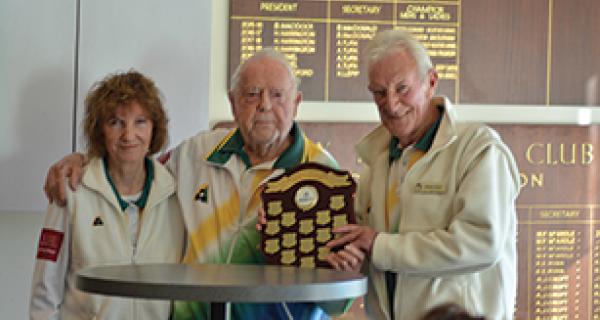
(302,207)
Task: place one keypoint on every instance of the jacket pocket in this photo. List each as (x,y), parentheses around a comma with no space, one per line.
(425,212)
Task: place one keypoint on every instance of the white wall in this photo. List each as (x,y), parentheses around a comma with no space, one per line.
(36,96)
(40,105)
(166,40)
(36,82)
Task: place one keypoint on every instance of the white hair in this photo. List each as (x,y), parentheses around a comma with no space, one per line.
(268,53)
(388,41)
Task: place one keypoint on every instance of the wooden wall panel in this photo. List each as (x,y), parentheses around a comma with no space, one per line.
(575,52)
(503,51)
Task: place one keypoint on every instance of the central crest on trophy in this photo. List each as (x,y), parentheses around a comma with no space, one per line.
(302,207)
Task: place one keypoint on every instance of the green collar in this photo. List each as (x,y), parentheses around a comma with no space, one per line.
(141,202)
(234,144)
(424,144)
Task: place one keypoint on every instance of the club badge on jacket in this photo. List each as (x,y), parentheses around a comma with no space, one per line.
(202,193)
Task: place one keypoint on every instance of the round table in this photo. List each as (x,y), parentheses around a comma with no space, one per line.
(221,284)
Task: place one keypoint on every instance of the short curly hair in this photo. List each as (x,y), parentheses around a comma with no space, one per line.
(121,89)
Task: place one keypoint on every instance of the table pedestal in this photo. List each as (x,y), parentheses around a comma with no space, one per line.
(220,311)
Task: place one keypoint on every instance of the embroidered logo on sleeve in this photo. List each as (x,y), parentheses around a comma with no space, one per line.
(202,193)
(50,244)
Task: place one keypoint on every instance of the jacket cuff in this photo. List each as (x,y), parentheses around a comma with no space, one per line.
(380,257)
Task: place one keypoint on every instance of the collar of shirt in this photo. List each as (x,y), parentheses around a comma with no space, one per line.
(395,152)
(234,144)
(141,202)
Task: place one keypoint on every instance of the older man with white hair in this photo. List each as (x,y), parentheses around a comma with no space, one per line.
(437,197)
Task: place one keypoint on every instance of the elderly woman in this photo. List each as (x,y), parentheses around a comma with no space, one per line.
(124,212)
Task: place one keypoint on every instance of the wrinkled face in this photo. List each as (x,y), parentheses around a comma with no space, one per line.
(402,97)
(128,134)
(265,103)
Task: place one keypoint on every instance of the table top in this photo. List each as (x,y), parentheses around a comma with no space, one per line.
(222,282)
